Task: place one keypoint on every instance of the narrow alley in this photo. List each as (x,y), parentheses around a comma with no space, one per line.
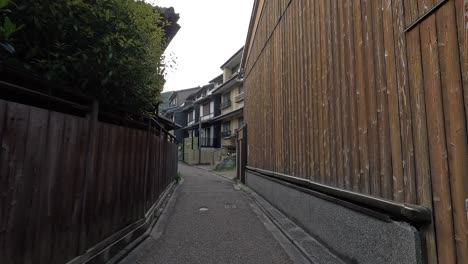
(209,220)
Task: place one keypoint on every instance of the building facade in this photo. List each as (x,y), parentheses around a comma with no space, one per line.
(210,116)
(231,92)
(173,110)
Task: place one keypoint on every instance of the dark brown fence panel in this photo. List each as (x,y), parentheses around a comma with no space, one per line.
(368,96)
(65,187)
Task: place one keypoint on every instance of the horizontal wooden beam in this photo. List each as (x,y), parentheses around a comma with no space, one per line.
(414,214)
(425,15)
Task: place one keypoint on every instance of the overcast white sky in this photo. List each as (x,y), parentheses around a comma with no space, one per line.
(212,31)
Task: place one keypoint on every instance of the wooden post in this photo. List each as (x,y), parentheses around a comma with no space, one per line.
(199,139)
(244,152)
(160,163)
(147,172)
(238,167)
(89,168)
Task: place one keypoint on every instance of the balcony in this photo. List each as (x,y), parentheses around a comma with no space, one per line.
(207,117)
(225,134)
(239,98)
(225,104)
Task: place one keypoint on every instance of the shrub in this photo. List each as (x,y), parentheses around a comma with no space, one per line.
(111,49)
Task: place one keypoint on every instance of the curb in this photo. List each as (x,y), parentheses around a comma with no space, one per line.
(304,243)
(158,215)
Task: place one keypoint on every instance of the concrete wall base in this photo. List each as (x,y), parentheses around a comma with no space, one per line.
(353,236)
(208,156)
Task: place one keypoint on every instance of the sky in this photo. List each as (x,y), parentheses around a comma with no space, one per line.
(211,32)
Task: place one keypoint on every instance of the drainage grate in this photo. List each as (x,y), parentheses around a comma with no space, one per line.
(230,206)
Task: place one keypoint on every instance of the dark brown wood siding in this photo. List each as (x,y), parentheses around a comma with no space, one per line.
(67,183)
(368,96)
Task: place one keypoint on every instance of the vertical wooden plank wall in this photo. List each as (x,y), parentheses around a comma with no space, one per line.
(346,94)
(43,157)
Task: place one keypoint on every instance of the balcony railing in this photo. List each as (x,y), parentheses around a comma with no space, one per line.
(225,104)
(207,116)
(239,98)
(226,134)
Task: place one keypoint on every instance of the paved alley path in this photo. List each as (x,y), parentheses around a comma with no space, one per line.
(228,232)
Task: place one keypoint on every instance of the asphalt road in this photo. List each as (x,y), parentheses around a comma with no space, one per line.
(227,232)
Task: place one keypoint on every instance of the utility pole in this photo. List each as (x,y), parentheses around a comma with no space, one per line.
(199,138)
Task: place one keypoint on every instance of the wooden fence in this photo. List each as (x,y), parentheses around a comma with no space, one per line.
(69,182)
(369,96)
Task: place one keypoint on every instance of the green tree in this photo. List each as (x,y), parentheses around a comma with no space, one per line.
(111,49)
(7,27)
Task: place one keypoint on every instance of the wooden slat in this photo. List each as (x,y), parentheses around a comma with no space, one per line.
(347,169)
(287,65)
(437,146)
(338,174)
(461,7)
(321,87)
(344,104)
(418,110)
(295,92)
(385,162)
(314,87)
(306,81)
(363,180)
(371,104)
(331,97)
(326,89)
(302,53)
(390,66)
(65,236)
(34,143)
(48,209)
(456,130)
(354,132)
(403,98)
(13,146)
(3,180)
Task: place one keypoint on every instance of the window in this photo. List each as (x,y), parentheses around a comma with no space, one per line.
(226,126)
(206,109)
(226,131)
(205,132)
(190,116)
(225,97)
(225,100)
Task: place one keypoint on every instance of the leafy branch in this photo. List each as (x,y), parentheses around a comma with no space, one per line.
(111,49)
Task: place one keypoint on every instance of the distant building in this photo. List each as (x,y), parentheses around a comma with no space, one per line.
(177,98)
(173,110)
(164,101)
(212,115)
(206,106)
(231,92)
(200,109)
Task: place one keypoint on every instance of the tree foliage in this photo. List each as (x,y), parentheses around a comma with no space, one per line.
(111,49)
